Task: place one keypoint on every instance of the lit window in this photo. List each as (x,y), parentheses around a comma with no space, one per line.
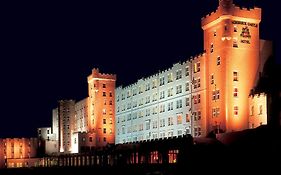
(218,60)
(235,76)
(235,93)
(179,119)
(170,78)
(196,67)
(235,110)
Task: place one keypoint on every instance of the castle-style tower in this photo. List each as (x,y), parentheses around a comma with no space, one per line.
(231,41)
(101,115)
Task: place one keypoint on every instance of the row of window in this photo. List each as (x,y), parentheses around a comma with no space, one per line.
(162,123)
(259,109)
(170,78)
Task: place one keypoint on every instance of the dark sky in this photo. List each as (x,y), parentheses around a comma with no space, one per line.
(49,49)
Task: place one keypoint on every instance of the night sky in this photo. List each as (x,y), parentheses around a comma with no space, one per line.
(49,49)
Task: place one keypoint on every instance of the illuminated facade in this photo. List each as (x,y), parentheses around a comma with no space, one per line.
(18,152)
(85,124)
(207,93)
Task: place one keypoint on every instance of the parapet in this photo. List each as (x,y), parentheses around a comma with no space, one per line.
(232,10)
(96,74)
(259,95)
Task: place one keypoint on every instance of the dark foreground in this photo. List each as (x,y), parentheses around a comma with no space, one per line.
(250,151)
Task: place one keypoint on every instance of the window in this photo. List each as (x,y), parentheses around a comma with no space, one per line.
(212,48)
(187,102)
(170,106)
(154,124)
(187,71)
(218,60)
(179,104)
(170,78)
(170,92)
(235,76)
(179,89)
(187,86)
(170,121)
(90,139)
(212,79)
(103,111)
(179,119)
(196,67)
(162,81)
(104,130)
(215,33)
(147,124)
(104,139)
(225,27)
(154,84)
(235,29)
(218,94)
(178,74)
(199,115)
(104,121)
(194,99)
(235,43)
(103,94)
(252,111)
(147,87)
(48,131)
(103,86)
(110,131)
(235,110)
(162,94)
(110,120)
(199,98)
(110,95)
(235,93)
(260,107)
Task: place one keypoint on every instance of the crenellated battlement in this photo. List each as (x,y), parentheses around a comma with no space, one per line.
(96,74)
(258,95)
(232,10)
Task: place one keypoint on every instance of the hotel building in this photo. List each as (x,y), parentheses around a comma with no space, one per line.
(208,93)
(18,152)
(86,124)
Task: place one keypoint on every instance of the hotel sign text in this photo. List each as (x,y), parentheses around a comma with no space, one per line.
(245,23)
